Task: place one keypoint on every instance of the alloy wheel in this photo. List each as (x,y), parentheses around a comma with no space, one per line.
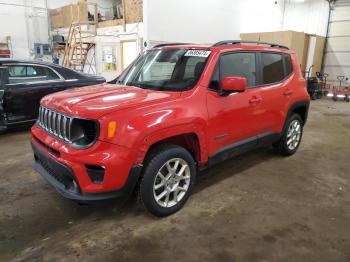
(294,134)
(172,182)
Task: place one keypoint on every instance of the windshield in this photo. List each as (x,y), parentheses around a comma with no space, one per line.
(166,69)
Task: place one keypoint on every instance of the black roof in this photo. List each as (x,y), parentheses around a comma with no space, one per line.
(11,60)
(63,71)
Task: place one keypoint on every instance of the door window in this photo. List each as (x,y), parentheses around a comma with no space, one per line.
(19,74)
(272,68)
(235,64)
(239,64)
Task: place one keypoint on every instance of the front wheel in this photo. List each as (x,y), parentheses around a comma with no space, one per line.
(290,140)
(167,180)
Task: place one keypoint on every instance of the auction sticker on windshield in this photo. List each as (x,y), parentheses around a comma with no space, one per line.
(200,53)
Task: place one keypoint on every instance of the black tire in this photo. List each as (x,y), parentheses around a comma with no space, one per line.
(281,146)
(153,164)
(314,96)
(335,98)
(319,95)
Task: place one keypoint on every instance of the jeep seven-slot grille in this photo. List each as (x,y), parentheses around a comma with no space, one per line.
(55,123)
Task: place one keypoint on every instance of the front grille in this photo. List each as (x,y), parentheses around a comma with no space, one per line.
(66,181)
(50,149)
(55,123)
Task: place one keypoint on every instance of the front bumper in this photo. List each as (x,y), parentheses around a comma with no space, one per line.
(67,169)
(63,180)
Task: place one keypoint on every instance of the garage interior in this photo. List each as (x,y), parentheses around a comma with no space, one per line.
(256,207)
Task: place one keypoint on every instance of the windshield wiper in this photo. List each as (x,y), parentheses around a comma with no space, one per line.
(137,84)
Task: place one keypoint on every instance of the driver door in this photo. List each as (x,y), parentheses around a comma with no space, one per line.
(27,85)
(234,119)
(3,82)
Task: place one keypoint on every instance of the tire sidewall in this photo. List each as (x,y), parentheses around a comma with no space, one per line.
(286,149)
(149,175)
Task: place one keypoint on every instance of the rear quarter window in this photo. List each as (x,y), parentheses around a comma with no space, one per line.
(288,65)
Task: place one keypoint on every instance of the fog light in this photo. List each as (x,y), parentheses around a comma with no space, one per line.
(96,173)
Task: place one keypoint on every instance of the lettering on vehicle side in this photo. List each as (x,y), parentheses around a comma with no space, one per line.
(200,53)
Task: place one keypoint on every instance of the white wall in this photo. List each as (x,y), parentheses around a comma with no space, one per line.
(26,22)
(53,4)
(309,16)
(201,21)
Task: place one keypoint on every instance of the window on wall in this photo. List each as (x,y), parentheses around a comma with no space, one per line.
(272,68)
(236,64)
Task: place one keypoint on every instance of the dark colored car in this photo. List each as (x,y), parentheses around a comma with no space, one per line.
(24,83)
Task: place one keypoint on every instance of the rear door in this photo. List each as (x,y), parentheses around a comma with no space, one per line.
(276,90)
(27,84)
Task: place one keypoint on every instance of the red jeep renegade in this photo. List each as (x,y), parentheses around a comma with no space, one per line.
(177,109)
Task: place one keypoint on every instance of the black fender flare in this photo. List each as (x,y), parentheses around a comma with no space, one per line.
(305,104)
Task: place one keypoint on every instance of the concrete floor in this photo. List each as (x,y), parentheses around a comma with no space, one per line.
(258,207)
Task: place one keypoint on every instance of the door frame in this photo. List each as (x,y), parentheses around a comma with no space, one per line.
(122,51)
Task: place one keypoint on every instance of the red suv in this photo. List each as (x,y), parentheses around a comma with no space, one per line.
(177,109)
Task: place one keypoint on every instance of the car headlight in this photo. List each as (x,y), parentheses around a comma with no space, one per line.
(84,133)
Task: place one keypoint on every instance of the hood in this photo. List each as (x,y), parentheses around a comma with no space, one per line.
(96,101)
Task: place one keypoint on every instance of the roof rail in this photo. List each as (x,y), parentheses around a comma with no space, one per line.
(170,44)
(238,42)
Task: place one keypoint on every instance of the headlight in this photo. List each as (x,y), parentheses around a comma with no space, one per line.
(83,133)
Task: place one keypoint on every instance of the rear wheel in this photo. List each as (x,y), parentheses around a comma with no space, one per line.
(314,96)
(167,180)
(291,137)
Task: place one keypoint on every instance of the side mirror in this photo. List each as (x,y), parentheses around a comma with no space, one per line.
(232,84)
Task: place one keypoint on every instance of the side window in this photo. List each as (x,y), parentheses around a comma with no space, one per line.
(288,64)
(239,64)
(215,79)
(272,68)
(26,74)
(17,71)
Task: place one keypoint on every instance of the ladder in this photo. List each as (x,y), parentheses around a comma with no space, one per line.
(78,45)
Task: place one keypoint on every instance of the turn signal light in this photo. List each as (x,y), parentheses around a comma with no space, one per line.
(112,127)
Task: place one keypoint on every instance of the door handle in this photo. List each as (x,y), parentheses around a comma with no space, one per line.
(288,92)
(254,100)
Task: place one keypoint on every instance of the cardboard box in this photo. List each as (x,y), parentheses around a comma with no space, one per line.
(296,41)
(318,55)
(65,16)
